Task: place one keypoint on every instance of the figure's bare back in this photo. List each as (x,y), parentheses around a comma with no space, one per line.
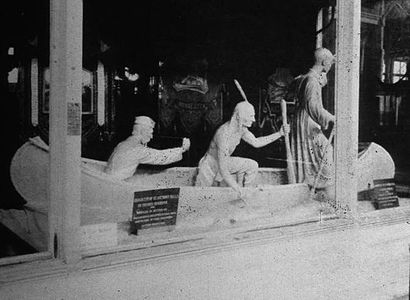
(226,139)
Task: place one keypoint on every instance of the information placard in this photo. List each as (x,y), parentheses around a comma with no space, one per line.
(385,193)
(154,208)
(73,119)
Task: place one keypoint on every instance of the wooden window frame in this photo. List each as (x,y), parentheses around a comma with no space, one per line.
(65,142)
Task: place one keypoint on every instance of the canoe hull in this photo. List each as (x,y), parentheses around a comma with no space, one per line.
(106,199)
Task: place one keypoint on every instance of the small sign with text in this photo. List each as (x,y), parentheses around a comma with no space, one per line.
(385,195)
(154,208)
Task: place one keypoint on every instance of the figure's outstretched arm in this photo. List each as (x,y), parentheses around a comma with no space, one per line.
(164,157)
(161,157)
(262,141)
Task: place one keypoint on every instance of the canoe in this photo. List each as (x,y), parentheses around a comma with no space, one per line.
(29,174)
(106,199)
(111,199)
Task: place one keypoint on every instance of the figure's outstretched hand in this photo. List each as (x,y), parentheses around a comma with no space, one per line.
(186,143)
(285,129)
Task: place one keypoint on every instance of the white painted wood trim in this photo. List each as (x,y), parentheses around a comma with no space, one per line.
(24,258)
(191,245)
(100,94)
(370,18)
(382,26)
(347,102)
(34,91)
(66,35)
(319,26)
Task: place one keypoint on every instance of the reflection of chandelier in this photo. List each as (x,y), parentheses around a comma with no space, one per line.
(192,83)
(130,76)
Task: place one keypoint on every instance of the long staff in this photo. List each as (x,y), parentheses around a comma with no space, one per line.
(289,159)
(322,162)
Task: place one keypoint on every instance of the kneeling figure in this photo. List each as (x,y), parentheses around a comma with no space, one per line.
(218,164)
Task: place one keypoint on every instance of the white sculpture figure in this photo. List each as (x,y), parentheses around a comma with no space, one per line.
(128,154)
(218,164)
(311,121)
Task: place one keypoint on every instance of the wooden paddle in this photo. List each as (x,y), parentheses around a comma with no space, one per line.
(290,169)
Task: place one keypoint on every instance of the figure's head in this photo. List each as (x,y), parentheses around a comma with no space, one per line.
(324,58)
(143,128)
(244,113)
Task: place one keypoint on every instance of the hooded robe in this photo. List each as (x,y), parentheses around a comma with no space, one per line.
(310,147)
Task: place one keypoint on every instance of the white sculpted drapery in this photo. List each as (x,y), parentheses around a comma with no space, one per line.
(309,143)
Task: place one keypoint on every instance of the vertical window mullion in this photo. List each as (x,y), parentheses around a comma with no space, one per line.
(347,103)
(65,128)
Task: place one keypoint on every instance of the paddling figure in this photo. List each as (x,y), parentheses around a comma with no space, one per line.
(217,164)
(128,154)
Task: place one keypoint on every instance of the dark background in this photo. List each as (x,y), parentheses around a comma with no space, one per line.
(245,38)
